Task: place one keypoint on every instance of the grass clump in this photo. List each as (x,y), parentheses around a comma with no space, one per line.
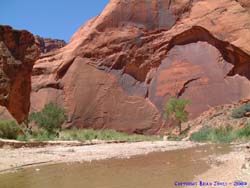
(178,137)
(23,138)
(244,133)
(222,134)
(90,134)
(241,111)
(9,129)
(203,135)
(37,136)
(43,136)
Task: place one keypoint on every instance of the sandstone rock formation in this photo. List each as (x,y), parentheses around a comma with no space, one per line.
(47,45)
(121,67)
(18,53)
(244,3)
(218,116)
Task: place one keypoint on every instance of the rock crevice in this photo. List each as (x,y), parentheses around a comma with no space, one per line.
(185,86)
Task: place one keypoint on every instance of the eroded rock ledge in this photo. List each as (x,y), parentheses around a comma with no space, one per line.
(49,45)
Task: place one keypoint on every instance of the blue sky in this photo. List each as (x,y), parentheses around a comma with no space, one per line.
(58,19)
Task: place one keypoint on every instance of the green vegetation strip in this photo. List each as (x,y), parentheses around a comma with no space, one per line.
(241,111)
(50,119)
(222,134)
(10,130)
(90,134)
(87,135)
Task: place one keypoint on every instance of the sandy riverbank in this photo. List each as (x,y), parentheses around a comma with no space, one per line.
(228,168)
(12,159)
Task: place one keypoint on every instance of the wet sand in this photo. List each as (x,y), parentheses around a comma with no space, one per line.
(156,169)
(229,168)
(16,158)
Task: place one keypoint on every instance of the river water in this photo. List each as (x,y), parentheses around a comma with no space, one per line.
(156,170)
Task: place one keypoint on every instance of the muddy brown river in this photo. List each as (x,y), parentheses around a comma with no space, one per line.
(156,170)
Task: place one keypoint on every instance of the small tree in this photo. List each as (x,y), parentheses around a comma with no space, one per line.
(175,110)
(50,118)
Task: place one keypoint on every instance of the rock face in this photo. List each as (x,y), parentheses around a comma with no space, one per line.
(18,53)
(121,67)
(47,45)
(244,3)
(197,71)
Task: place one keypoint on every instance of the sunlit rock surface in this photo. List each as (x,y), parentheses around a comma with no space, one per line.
(120,68)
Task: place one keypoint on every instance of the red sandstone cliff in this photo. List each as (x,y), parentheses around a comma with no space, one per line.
(18,53)
(120,68)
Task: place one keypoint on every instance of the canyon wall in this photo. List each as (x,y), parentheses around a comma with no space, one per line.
(18,53)
(121,67)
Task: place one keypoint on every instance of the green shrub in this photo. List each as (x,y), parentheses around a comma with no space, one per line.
(224,134)
(43,136)
(9,129)
(23,138)
(202,136)
(221,134)
(244,132)
(239,112)
(49,119)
